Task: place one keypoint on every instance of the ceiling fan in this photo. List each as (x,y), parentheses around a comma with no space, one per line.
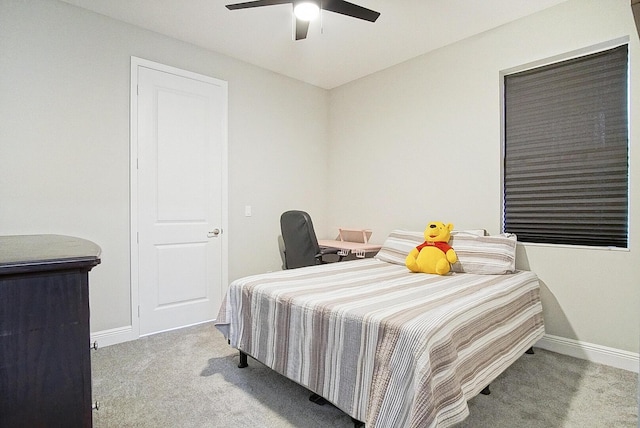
(307,10)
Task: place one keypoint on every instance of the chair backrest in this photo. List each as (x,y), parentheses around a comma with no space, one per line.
(300,243)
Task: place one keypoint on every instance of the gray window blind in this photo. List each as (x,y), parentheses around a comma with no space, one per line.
(566,152)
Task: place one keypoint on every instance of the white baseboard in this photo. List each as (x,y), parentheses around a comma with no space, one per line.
(113,336)
(125,334)
(591,352)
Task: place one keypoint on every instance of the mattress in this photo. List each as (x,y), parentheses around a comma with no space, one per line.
(388,347)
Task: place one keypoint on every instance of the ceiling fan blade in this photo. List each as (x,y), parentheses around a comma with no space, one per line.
(350,9)
(302,27)
(257,3)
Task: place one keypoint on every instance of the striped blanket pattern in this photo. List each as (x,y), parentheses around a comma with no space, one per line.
(388,347)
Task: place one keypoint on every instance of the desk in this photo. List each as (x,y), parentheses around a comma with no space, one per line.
(360,250)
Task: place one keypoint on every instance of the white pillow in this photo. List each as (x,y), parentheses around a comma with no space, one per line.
(487,255)
(398,245)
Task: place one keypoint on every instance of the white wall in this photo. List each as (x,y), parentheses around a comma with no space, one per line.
(64,141)
(422,140)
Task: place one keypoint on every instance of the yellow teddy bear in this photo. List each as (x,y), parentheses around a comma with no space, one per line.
(435,255)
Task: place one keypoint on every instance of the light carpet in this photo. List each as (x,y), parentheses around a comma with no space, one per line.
(189,378)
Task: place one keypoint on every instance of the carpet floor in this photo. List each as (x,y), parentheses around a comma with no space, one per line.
(189,378)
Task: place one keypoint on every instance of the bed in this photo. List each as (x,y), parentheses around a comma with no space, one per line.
(389,347)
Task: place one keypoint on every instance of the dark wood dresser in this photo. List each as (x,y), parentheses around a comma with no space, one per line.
(45,362)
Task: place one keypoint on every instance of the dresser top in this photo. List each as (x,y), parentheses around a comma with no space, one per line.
(19,253)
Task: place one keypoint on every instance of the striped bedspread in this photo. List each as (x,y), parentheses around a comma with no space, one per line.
(388,347)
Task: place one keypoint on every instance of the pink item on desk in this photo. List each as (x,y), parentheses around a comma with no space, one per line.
(354,241)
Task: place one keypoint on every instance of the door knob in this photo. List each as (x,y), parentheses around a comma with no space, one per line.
(214,233)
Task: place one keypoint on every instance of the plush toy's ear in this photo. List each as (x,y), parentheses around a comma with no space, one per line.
(450,226)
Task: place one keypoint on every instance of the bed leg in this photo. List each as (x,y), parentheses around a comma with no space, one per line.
(357,423)
(529,351)
(243,360)
(319,400)
(486,390)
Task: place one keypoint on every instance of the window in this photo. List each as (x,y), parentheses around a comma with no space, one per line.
(565,172)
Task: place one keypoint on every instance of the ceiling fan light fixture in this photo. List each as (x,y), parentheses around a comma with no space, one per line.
(306,10)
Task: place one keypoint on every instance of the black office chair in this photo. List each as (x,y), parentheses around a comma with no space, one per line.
(300,243)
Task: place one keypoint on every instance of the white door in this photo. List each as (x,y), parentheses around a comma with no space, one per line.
(181,141)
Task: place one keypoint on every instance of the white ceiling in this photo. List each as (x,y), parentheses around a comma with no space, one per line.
(338,49)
